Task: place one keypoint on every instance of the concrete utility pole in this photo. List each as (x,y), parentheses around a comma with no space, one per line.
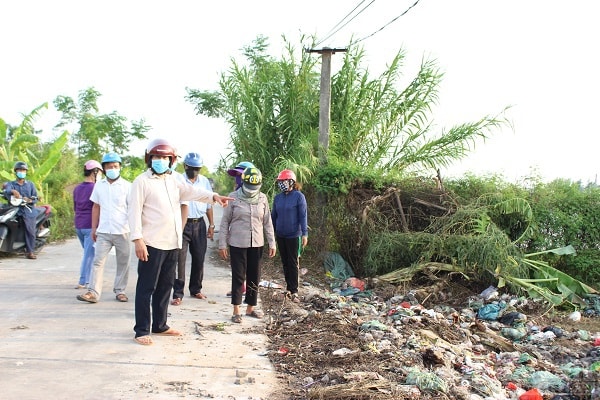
(324,98)
(324,118)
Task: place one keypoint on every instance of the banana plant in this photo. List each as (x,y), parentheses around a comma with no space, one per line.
(22,144)
(549,283)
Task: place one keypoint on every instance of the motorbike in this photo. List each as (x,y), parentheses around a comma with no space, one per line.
(12,227)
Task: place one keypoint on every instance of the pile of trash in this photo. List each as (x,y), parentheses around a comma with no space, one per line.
(349,342)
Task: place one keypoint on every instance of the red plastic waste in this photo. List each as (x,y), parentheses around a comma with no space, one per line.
(357,283)
(532,394)
(597,342)
(511,386)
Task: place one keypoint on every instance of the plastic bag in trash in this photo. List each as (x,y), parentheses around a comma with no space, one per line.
(532,394)
(512,317)
(373,325)
(489,293)
(514,333)
(545,380)
(427,381)
(554,329)
(337,267)
(489,312)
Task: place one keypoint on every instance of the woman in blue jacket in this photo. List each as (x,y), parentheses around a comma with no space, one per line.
(290,221)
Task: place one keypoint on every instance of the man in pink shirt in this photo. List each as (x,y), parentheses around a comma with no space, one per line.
(156,231)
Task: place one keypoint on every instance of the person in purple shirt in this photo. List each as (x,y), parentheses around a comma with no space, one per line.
(83,219)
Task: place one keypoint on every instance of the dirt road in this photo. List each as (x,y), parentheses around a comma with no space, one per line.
(54,346)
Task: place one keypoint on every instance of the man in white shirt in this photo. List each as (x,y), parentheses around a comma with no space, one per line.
(110,228)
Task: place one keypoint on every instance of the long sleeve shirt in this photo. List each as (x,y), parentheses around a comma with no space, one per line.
(290,215)
(246,225)
(25,189)
(154,209)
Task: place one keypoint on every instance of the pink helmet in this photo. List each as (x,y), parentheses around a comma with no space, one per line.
(92,164)
(286,174)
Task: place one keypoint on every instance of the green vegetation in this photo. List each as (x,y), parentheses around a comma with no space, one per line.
(55,167)
(386,208)
(96,134)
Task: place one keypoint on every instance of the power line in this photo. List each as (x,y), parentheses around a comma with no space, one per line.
(389,23)
(342,20)
(333,30)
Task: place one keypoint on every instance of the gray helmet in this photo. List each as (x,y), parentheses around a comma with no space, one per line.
(20,165)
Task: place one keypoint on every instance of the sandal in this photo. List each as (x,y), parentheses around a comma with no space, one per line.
(122,297)
(168,332)
(143,340)
(87,296)
(199,295)
(255,314)
(176,301)
(294,297)
(237,318)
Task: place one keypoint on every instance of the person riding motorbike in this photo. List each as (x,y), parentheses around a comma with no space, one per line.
(25,190)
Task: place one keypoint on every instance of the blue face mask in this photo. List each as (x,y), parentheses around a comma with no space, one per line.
(160,166)
(21,175)
(113,173)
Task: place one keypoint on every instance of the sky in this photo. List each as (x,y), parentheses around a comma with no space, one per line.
(537,57)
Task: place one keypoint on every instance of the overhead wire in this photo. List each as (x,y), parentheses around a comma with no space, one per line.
(389,23)
(333,30)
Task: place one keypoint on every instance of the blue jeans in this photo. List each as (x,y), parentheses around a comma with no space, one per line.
(85,270)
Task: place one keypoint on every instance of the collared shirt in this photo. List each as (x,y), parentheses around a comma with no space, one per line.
(246,225)
(196,209)
(113,199)
(154,208)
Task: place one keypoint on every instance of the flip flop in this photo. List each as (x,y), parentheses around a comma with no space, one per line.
(143,340)
(168,332)
(237,318)
(176,301)
(199,295)
(122,297)
(255,314)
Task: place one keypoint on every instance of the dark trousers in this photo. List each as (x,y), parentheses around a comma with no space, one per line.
(28,219)
(245,266)
(153,289)
(288,250)
(194,240)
